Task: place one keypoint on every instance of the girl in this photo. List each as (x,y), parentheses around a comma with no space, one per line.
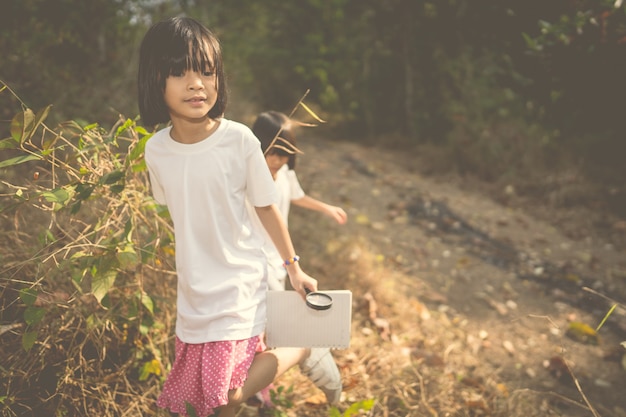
(281,160)
(204,167)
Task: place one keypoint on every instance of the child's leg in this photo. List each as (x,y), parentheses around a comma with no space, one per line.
(269,365)
(265,368)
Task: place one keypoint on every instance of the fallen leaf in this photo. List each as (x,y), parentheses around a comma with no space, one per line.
(362,219)
(582,333)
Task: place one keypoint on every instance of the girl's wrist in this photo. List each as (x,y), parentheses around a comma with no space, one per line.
(290,261)
(293,267)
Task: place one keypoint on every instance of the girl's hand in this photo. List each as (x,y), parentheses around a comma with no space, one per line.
(337,214)
(300,280)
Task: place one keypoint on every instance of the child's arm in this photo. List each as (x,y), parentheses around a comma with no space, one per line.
(274,224)
(334,212)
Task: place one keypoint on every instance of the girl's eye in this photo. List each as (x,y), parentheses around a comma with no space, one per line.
(208,73)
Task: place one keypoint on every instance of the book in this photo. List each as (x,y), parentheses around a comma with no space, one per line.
(291,323)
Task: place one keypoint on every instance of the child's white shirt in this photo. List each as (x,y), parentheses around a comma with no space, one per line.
(219,262)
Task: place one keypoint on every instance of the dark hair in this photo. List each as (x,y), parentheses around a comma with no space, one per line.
(174,46)
(267,125)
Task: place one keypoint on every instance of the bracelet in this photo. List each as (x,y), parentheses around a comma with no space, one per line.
(292,260)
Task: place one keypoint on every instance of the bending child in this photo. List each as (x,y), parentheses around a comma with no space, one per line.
(204,167)
(281,160)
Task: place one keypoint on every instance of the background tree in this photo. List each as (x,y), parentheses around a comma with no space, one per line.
(473,76)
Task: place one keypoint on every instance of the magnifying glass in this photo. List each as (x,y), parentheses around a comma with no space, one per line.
(318,300)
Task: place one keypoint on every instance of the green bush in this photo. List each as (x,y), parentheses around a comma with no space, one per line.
(79,331)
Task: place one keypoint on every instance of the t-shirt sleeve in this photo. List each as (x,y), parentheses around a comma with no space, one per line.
(157,189)
(295,190)
(261,190)
(158,193)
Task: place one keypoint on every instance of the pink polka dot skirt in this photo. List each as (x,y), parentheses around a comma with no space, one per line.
(202,374)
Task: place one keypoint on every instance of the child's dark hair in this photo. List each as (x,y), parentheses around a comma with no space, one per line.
(171,47)
(267,125)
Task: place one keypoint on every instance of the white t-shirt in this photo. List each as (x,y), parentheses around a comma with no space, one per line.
(288,189)
(219,262)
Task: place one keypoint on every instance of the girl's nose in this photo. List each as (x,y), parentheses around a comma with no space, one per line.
(194,81)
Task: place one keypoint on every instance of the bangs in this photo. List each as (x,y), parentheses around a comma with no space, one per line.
(189,51)
(279,152)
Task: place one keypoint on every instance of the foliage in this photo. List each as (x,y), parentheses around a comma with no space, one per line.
(281,400)
(355,409)
(422,71)
(580,62)
(56,51)
(74,293)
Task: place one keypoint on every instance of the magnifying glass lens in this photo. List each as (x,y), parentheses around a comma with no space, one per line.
(318,300)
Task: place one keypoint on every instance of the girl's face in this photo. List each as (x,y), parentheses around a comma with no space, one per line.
(190,95)
(275,162)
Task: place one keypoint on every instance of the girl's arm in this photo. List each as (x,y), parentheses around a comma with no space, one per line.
(334,212)
(275,226)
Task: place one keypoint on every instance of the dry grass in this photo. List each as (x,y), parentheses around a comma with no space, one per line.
(406,357)
(87,358)
(411,360)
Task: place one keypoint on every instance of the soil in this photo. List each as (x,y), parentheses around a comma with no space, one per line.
(469,299)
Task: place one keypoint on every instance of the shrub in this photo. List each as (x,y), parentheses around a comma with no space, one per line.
(84,241)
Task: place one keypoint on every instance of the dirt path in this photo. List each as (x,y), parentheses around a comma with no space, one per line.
(481,298)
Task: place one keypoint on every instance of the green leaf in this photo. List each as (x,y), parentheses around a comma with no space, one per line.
(58,195)
(152,367)
(46,237)
(112,177)
(7,143)
(142,130)
(334,412)
(28,296)
(92,322)
(147,302)
(139,166)
(18,160)
(102,283)
(84,191)
(128,230)
(39,119)
(128,123)
(356,408)
(34,315)
(76,207)
(28,340)
(22,124)
(191,411)
(139,148)
(127,257)
(530,42)
(80,254)
(117,188)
